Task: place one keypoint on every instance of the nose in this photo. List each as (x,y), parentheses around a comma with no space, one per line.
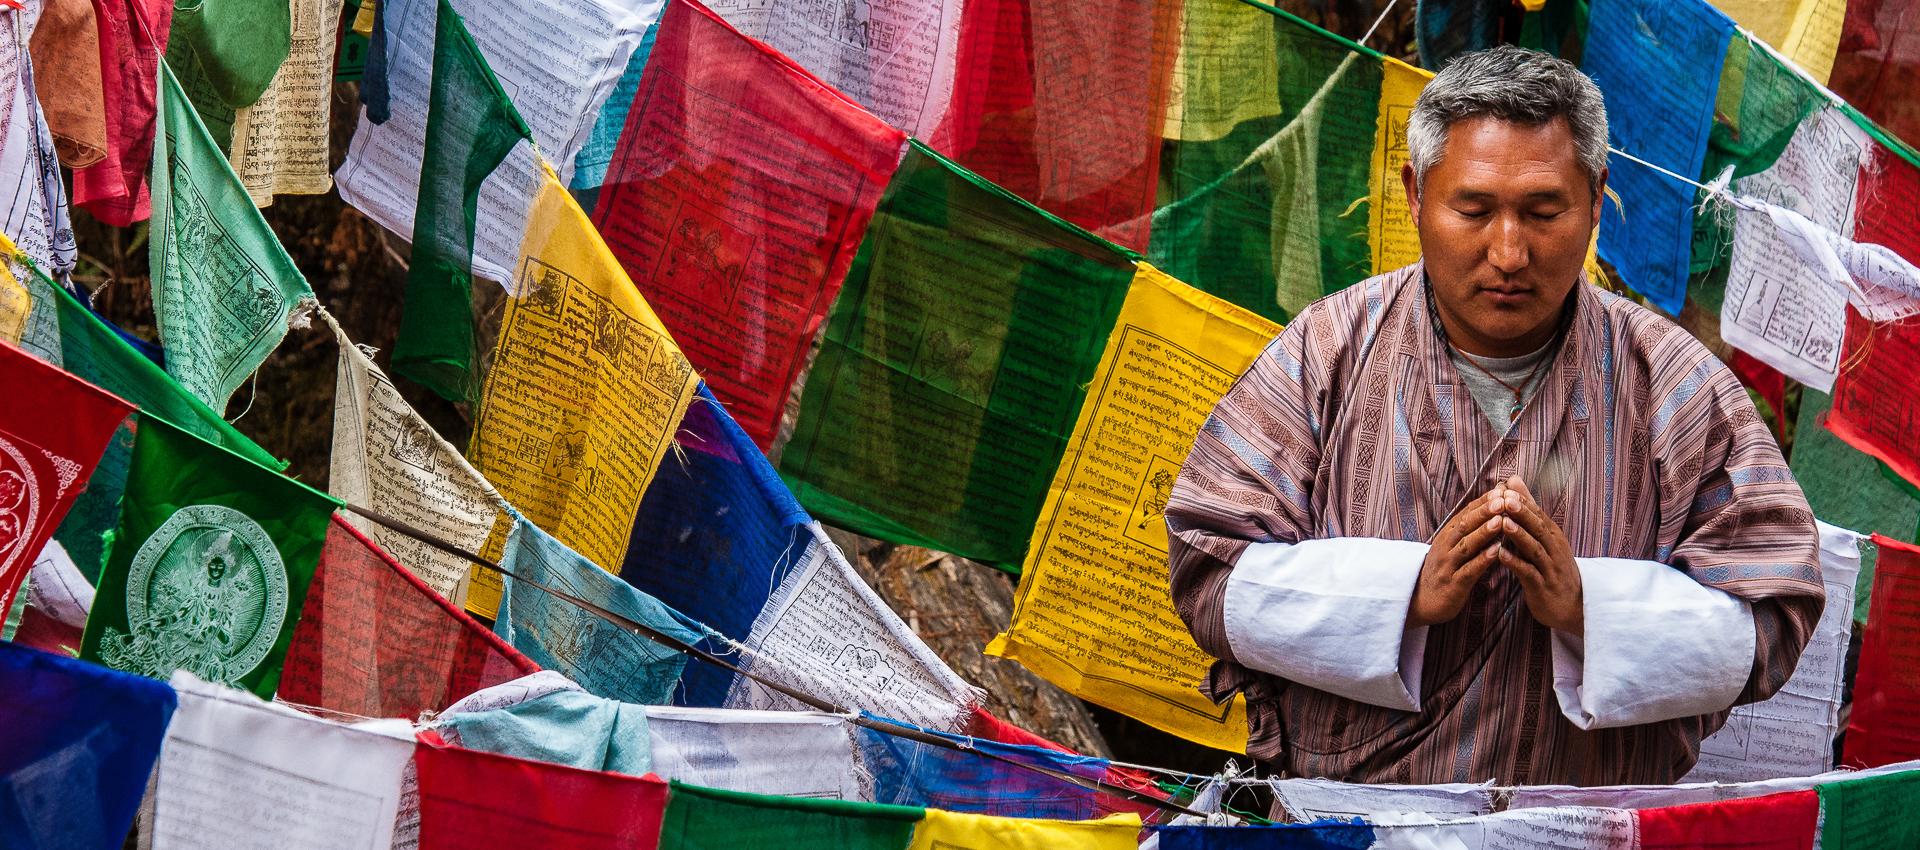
(1507,250)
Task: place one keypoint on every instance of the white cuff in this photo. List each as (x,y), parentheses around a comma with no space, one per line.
(1658,645)
(1332,615)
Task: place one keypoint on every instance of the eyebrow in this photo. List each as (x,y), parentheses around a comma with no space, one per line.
(1480,195)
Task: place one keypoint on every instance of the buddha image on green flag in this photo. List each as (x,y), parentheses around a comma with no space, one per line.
(223,286)
(471,126)
(210,566)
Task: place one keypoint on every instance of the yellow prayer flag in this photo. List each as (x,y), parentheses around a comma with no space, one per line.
(363,19)
(583,395)
(15,306)
(942,830)
(1805,31)
(1227,70)
(1094,614)
(1395,242)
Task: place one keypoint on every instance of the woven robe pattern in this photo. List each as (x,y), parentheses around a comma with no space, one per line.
(1354,423)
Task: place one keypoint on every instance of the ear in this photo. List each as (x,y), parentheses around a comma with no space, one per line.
(1412,184)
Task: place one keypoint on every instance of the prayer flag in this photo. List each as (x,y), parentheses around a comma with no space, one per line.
(584,392)
(280,141)
(789,753)
(952,366)
(33,207)
(1060,102)
(1774,822)
(470,128)
(210,565)
(1658,67)
(238,771)
(80,742)
(374,641)
(1807,31)
(1886,692)
(720,539)
(590,164)
(942,830)
(979,779)
(1093,612)
(1562,828)
(66,64)
(1317,836)
(132,35)
(1874,406)
(560,635)
(1878,65)
(896,59)
(1871,813)
(566,727)
(474,799)
(1848,488)
(736,200)
(1279,133)
(225,53)
(709,819)
(386,458)
(1777,306)
(1792,732)
(557,59)
(57,599)
(53,429)
(223,287)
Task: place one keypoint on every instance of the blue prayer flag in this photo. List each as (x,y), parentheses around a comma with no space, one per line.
(1658,66)
(560,635)
(79,743)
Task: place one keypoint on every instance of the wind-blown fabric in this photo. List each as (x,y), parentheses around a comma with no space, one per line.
(1354,424)
(375,641)
(80,742)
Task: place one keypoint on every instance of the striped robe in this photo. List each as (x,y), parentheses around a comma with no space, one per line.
(1298,522)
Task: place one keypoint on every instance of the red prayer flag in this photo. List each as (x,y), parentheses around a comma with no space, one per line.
(133,36)
(982,724)
(1768,382)
(1062,103)
(1773,822)
(53,428)
(375,641)
(1885,723)
(1875,408)
(735,200)
(474,799)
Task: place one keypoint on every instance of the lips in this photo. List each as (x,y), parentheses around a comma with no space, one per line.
(1504,297)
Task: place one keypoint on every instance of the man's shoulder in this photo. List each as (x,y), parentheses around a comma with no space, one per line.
(1642,335)
(1352,312)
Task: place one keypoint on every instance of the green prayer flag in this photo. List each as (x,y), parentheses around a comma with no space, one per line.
(1874,813)
(222,284)
(226,53)
(65,332)
(471,126)
(711,819)
(211,566)
(1845,487)
(1760,103)
(953,365)
(1267,166)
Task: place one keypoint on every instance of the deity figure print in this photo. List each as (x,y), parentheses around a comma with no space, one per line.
(207,592)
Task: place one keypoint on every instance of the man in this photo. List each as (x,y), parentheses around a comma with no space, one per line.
(1478,520)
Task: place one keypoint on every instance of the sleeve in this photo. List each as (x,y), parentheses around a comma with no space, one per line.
(1720,616)
(1253,587)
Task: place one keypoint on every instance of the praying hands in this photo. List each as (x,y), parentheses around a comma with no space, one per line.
(1507,528)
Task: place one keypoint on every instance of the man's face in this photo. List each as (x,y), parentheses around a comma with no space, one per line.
(1504,222)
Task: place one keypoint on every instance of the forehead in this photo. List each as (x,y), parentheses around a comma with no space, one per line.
(1488,155)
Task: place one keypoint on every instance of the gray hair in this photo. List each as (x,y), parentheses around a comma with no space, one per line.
(1512,84)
